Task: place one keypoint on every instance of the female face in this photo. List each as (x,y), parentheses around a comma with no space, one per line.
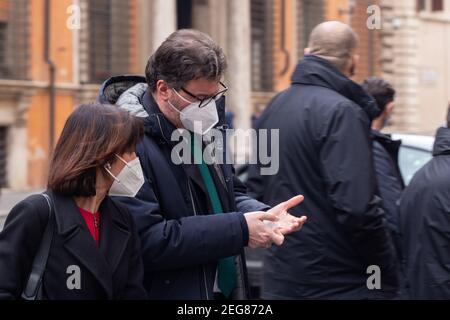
(91,136)
(117,165)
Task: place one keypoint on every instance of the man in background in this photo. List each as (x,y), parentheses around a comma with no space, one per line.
(385,154)
(425,224)
(324,123)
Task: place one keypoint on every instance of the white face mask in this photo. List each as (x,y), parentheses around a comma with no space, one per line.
(129,181)
(195,119)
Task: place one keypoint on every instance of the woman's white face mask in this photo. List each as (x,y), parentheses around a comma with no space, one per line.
(196,119)
(129,180)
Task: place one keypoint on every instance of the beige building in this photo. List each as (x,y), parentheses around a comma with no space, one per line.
(416,59)
(55,53)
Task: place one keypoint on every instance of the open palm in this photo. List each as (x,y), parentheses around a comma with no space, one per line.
(286,222)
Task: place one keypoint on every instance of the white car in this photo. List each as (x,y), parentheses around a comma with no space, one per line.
(415,151)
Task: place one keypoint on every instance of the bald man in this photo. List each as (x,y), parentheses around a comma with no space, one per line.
(345,251)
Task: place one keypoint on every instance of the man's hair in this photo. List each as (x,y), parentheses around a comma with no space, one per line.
(448,116)
(185,55)
(333,41)
(381,90)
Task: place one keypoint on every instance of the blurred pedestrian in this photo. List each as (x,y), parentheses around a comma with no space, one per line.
(385,155)
(325,153)
(425,224)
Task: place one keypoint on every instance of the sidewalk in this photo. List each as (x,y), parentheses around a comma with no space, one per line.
(8,199)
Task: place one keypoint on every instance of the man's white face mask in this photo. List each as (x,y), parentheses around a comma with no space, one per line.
(196,119)
(129,181)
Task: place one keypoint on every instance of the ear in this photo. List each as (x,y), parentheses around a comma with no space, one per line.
(352,64)
(107,165)
(389,107)
(162,89)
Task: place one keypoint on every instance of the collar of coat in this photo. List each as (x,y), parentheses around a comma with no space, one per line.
(442,142)
(316,71)
(386,140)
(115,233)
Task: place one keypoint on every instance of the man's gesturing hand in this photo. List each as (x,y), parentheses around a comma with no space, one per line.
(287,223)
(261,235)
(270,227)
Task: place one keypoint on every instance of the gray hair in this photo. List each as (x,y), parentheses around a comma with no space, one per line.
(333,41)
(185,55)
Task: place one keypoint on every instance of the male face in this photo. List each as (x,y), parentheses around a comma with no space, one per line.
(388,112)
(193,92)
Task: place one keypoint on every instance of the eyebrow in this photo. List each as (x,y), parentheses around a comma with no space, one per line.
(204,94)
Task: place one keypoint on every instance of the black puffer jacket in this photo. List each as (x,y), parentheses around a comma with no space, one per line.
(325,154)
(425,225)
(181,242)
(389,180)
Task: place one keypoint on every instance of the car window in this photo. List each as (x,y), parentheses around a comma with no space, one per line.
(411,160)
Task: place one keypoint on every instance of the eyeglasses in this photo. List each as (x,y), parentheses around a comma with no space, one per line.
(205,101)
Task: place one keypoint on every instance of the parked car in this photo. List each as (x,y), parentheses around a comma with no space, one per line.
(415,151)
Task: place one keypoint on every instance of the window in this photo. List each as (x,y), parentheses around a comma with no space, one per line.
(430,5)
(261,45)
(3,132)
(184,14)
(309,14)
(437,5)
(14,39)
(109,34)
(3,68)
(420,5)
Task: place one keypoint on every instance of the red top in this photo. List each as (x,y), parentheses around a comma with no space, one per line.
(93,223)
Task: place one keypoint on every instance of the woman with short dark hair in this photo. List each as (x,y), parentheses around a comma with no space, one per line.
(85,242)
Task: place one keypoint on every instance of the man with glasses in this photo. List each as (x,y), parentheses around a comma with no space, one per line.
(203,101)
(194,219)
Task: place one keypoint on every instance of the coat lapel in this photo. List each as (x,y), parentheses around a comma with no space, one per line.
(114,235)
(82,246)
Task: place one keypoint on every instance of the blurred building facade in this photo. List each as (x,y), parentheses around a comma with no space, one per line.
(416,59)
(52,59)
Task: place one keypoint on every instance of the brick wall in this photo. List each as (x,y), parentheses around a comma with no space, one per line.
(369,49)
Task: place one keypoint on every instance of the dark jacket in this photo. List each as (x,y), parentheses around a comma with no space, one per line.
(181,241)
(113,271)
(389,180)
(325,154)
(425,225)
